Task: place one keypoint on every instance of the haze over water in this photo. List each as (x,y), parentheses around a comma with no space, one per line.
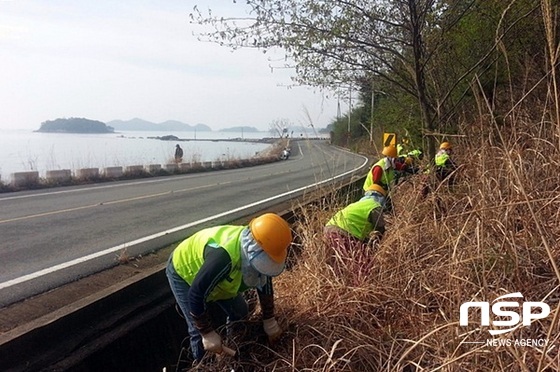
(25,150)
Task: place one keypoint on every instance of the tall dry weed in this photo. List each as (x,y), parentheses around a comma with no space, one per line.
(495,231)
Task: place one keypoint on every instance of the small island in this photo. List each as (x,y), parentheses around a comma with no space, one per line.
(75,125)
(240,129)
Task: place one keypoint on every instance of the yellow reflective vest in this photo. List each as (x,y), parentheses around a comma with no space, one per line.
(188,258)
(354,219)
(441,158)
(386,178)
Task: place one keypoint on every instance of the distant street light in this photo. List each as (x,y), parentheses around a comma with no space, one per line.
(349,106)
(372,105)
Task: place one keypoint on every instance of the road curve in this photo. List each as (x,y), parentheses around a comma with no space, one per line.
(53,236)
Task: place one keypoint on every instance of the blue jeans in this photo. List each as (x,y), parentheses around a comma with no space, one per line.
(235,308)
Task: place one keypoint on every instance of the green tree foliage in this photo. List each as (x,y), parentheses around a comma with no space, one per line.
(496,45)
(335,43)
(75,125)
(426,56)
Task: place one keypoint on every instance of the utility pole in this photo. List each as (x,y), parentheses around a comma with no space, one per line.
(349,115)
(338,113)
(371,120)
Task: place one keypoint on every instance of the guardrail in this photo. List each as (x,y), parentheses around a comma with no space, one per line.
(64,176)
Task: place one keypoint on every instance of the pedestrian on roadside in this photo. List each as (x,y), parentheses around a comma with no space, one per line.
(178,154)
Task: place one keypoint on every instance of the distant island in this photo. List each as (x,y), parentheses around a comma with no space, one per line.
(75,125)
(137,124)
(81,125)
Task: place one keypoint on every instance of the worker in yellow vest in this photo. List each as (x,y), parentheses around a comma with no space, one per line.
(353,225)
(444,165)
(412,160)
(350,234)
(383,173)
(217,264)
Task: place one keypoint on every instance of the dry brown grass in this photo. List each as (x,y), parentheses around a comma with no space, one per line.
(496,231)
(488,236)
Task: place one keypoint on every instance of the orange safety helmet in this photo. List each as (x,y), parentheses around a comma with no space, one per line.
(377,188)
(445,146)
(273,234)
(390,151)
(409,161)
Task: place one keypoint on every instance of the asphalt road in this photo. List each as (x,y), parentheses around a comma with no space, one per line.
(53,236)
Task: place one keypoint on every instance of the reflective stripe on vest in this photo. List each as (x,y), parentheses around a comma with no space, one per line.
(188,258)
(354,219)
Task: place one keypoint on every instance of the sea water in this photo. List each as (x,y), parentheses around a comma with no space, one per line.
(26,150)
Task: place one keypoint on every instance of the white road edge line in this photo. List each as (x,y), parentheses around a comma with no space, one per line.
(119,247)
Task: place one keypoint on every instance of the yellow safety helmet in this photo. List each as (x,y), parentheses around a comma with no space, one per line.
(273,234)
(377,188)
(445,146)
(390,151)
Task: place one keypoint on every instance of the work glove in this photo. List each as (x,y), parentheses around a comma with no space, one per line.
(202,323)
(375,237)
(272,329)
(212,341)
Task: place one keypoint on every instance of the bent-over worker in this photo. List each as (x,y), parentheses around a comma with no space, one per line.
(217,264)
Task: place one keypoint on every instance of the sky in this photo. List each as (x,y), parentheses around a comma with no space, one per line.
(107,60)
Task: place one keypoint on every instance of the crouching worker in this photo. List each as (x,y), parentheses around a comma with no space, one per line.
(217,264)
(385,173)
(349,231)
(445,166)
(353,225)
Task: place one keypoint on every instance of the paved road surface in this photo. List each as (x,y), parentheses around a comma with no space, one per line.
(52,236)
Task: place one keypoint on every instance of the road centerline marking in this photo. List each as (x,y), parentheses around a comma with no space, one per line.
(38,215)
